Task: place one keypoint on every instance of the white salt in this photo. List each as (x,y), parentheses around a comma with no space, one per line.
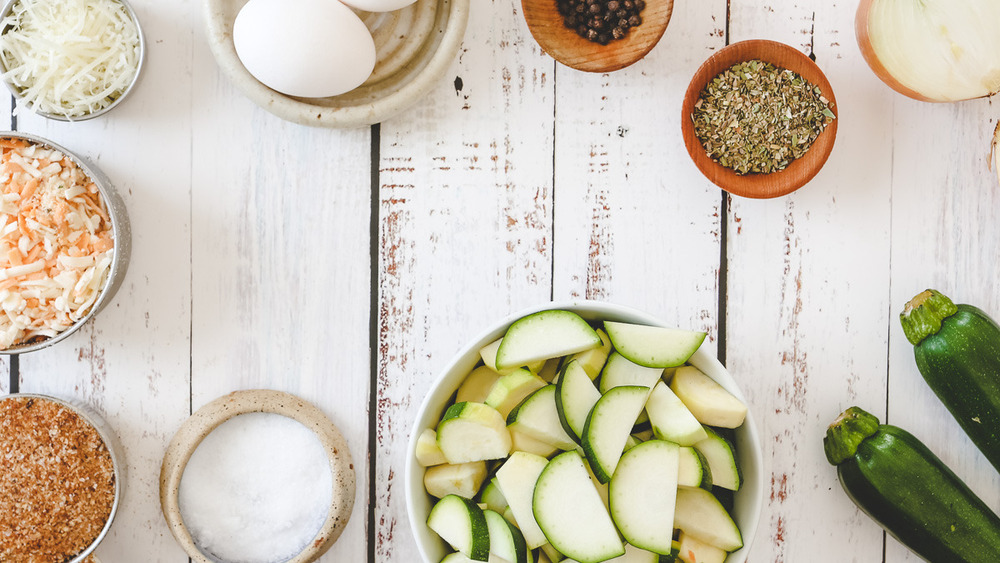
(256,490)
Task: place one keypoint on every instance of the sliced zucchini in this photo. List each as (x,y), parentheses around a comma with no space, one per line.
(428,452)
(592,361)
(538,418)
(477,385)
(492,497)
(654,346)
(701,515)
(521,442)
(461,523)
(693,469)
(635,554)
(643,492)
(571,514)
(575,397)
(693,550)
(670,419)
(506,541)
(516,479)
(550,370)
(708,401)
(463,479)
(489,355)
(544,335)
(721,459)
(511,389)
(609,426)
(644,435)
(552,554)
(619,371)
(472,432)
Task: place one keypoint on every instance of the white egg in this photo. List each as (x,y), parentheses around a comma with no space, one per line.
(305,48)
(378,5)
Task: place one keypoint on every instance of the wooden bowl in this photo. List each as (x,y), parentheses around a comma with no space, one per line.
(801,170)
(210,416)
(564,45)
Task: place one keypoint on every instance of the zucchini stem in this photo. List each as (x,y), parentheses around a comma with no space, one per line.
(923,315)
(846,433)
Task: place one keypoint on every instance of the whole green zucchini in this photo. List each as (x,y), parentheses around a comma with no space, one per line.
(904,487)
(957,348)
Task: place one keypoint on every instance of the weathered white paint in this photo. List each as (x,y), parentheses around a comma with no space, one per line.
(520,181)
(465,229)
(808,295)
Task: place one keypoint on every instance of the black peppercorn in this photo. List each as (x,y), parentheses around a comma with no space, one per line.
(601,21)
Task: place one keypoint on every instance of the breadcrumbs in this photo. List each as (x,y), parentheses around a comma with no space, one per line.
(57,482)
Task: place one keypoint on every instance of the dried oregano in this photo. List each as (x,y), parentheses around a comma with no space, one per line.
(755,118)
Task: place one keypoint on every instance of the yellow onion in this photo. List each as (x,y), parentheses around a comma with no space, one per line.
(933,50)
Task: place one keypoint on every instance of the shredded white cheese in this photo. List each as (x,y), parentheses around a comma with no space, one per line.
(69,57)
(56,243)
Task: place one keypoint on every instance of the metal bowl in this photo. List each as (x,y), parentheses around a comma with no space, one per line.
(117,462)
(121,235)
(9,6)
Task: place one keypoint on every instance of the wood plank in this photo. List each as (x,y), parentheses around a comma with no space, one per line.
(944,202)
(464,230)
(637,224)
(808,295)
(131,364)
(280,266)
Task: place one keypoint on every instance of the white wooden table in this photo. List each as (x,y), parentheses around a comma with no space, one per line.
(348,266)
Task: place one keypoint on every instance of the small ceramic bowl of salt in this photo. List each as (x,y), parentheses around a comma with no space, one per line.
(257,477)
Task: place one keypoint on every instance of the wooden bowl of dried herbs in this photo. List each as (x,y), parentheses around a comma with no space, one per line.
(597,35)
(759,119)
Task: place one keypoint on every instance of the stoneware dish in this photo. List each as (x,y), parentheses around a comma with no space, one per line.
(121,234)
(801,170)
(210,416)
(118,101)
(117,461)
(414,47)
(564,45)
(747,502)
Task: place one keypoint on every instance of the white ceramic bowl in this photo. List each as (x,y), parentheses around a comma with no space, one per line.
(747,501)
(415,46)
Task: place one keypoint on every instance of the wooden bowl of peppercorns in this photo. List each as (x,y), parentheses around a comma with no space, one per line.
(759,119)
(597,35)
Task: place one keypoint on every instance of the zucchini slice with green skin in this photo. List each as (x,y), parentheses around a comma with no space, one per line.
(693,469)
(517,479)
(544,335)
(721,458)
(670,419)
(643,493)
(654,346)
(957,350)
(619,371)
(575,398)
(538,418)
(506,541)
(609,426)
(693,550)
(911,493)
(461,523)
(571,514)
(701,515)
(472,432)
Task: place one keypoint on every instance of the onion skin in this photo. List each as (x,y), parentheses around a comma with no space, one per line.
(868,52)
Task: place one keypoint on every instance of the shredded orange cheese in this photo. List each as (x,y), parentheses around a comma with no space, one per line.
(56,243)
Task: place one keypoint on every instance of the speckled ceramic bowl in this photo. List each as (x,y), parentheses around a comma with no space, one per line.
(121,234)
(209,417)
(414,48)
(748,501)
(121,97)
(110,440)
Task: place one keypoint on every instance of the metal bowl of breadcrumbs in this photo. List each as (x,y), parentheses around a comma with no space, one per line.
(61,478)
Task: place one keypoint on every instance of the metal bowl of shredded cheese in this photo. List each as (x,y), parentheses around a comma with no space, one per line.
(70,60)
(65,242)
